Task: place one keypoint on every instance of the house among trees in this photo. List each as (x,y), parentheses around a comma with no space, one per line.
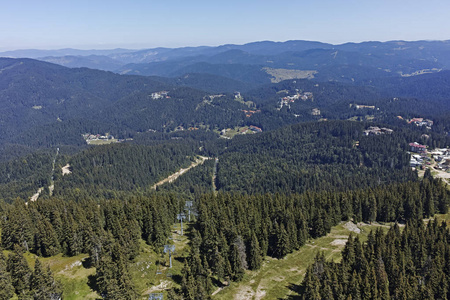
(418,148)
(159,95)
(422,122)
(373,130)
(255,128)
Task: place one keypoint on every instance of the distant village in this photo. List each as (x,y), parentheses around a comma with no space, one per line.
(359,106)
(421,122)
(373,130)
(101,139)
(286,101)
(160,95)
(249,113)
(439,159)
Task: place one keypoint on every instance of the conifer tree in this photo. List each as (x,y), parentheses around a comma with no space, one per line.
(255,258)
(6,287)
(20,272)
(113,278)
(236,263)
(42,284)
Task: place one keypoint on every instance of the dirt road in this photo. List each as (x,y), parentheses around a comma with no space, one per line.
(174,176)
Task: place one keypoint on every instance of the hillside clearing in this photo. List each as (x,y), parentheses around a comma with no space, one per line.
(174,176)
(285,74)
(279,278)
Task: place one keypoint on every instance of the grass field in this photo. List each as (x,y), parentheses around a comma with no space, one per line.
(77,281)
(280,278)
(101,142)
(231,132)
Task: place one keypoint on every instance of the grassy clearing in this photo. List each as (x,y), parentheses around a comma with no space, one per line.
(77,280)
(231,132)
(278,278)
(70,271)
(101,142)
(441,218)
(144,268)
(279,75)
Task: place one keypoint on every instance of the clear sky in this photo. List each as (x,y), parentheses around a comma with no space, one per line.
(99,24)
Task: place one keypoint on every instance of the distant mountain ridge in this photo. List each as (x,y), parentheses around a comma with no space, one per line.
(395,57)
(44,104)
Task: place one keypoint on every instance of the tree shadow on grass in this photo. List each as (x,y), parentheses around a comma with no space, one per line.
(92,283)
(177,278)
(180,259)
(298,289)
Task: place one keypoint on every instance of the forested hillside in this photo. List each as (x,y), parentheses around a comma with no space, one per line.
(123,167)
(403,264)
(236,232)
(45,105)
(313,156)
(258,150)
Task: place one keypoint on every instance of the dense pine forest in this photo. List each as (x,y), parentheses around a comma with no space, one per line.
(256,170)
(235,232)
(265,195)
(412,263)
(317,156)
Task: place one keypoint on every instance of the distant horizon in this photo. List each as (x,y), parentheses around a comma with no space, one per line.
(143,24)
(124,47)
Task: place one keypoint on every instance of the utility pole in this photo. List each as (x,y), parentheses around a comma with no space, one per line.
(189,205)
(170,249)
(181,217)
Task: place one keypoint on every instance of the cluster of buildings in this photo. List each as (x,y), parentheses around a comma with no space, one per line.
(255,129)
(88,137)
(315,112)
(359,106)
(418,159)
(418,148)
(373,130)
(249,113)
(421,122)
(160,95)
(421,157)
(285,101)
(251,129)
(442,158)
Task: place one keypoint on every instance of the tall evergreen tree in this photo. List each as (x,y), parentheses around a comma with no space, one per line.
(6,287)
(20,273)
(42,284)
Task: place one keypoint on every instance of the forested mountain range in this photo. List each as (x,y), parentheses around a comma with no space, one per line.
(350,62)
(281,131)
(45,104)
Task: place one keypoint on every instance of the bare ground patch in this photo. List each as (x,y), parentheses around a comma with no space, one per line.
(66,170)
(165,284)
(244,293)
(338,242)
(352,227)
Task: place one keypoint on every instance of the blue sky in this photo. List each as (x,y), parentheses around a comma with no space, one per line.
(50,24)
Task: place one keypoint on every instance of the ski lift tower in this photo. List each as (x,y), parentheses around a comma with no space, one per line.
(181,217)
(189,205)
(170,249)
